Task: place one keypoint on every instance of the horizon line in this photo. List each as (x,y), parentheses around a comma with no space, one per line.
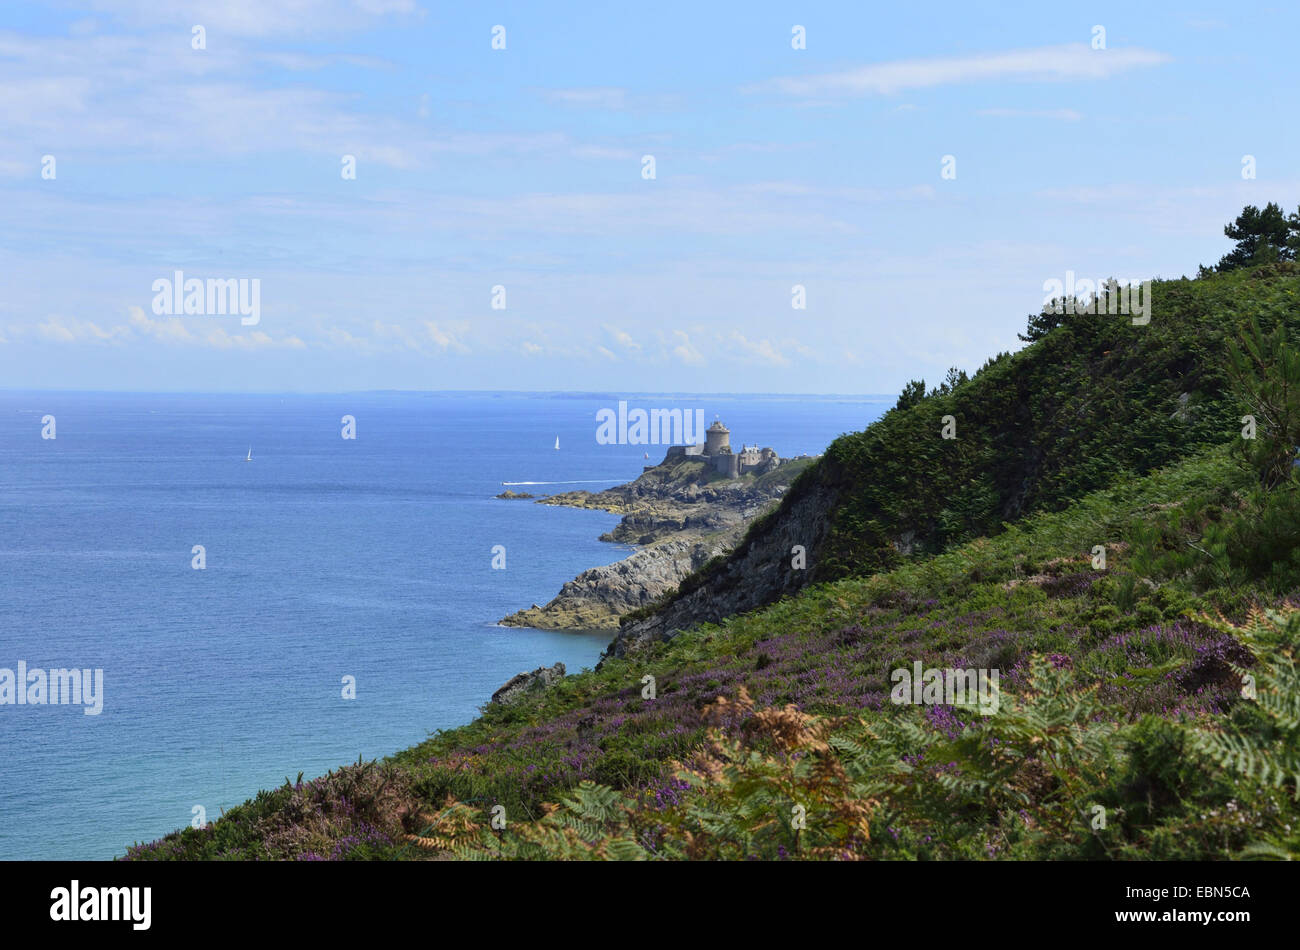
(437,392)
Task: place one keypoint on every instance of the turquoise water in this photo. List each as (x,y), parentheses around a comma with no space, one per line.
(325,558)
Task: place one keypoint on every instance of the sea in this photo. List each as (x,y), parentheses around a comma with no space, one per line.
(331,599)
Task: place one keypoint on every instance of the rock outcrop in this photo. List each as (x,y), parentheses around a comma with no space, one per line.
(680,514)
(758,572)
(596,598)
(683,494)
(523,684)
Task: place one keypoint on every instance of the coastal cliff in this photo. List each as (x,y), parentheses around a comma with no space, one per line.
(680,515)
(759,570)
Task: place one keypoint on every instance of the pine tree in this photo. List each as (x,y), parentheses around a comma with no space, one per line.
(1262,237)
(1265,373)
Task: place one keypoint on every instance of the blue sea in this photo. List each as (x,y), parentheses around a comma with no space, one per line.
(326,558)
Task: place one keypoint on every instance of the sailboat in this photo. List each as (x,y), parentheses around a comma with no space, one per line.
(250,454)
(557,443)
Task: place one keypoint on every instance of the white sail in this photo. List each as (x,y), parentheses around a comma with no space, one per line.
(557,443)
(250,454)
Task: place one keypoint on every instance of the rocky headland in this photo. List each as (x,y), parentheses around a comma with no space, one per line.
(679,515)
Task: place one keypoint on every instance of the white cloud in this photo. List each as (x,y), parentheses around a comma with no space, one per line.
(133,93)
(758,351)
(258,18)
(337,336)
(444,337)
(686,351)
(169,330)
(254,340)
(395,332)
(190,331)
(56,332)
(35,101)
(70,330)
(623,339)
(1068,61)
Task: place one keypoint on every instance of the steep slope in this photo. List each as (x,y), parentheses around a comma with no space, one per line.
(1114,691)
(1095,399)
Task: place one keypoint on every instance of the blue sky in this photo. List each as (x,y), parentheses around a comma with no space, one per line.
(522,168)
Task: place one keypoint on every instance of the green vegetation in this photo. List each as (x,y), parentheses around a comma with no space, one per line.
(1095,400)
(1262,237)
(788,472)
(1099,532)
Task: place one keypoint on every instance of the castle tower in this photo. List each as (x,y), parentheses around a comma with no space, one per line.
(717,439)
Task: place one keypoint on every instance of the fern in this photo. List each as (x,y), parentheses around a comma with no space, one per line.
(1261,742)
(1265,747)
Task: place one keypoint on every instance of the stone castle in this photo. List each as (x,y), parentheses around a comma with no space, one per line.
(716,451)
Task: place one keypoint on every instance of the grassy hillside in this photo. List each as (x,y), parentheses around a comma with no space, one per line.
(1110,683)
(1148,708)
(1095,400)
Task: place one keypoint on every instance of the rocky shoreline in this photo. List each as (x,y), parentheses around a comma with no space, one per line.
(679,515)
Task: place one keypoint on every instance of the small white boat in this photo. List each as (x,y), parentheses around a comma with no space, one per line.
(557,443)
(250,454)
